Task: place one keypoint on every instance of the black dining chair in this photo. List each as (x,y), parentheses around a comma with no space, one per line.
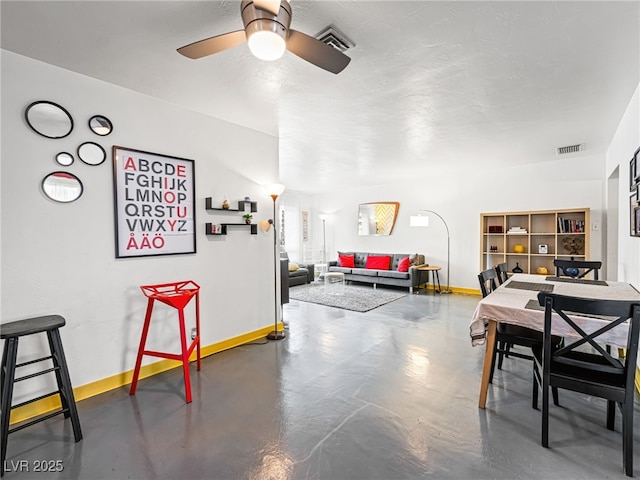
(576,268)
(508,335)
(594,372)
(501,270)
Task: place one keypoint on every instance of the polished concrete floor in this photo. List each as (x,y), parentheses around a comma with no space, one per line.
(387,394)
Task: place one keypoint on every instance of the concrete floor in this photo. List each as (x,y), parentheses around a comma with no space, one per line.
(387,394)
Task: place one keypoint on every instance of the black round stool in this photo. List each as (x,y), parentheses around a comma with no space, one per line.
(10,333)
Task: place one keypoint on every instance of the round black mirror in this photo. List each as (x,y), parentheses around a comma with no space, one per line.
(91,153)
(49,119)
(65,159)
(62,187)
(100,125)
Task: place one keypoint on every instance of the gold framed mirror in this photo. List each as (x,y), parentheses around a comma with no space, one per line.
(377,218)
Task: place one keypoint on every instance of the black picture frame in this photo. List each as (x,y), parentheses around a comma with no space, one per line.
(634,213)
(634,171)
(154,204)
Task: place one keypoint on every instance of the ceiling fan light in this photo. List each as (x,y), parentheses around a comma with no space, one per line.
(267,45)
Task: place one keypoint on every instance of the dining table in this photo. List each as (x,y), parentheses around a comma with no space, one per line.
(516,302)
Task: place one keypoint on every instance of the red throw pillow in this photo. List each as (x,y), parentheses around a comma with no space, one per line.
(403,265)
(378,262)
(347,261)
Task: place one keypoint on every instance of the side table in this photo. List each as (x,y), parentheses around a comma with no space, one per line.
(433,270)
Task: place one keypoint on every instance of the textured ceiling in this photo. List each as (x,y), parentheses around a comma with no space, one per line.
(432,86)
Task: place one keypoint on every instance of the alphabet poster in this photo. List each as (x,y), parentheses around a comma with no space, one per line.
(154,203)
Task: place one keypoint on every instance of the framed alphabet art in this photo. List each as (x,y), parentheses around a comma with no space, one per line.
(154,199)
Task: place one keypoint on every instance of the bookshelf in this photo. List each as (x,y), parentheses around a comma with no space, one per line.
(564,232)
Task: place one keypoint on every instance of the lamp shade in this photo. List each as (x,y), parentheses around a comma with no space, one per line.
(267,45)
(265,225)
(274,189)
(418,221)
(323,216)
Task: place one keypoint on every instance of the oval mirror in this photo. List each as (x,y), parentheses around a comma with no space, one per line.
(62,187)
(100,125)
(91,153)
(65,159)
(49,119)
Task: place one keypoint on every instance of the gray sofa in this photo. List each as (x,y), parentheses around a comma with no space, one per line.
(391,277)
(304,274)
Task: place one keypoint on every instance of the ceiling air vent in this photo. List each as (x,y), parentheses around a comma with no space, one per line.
(570,149)
(334,38)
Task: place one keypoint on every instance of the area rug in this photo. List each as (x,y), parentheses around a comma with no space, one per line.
(358,299)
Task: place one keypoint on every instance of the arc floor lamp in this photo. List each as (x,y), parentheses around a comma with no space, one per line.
(274,190)
(423,221)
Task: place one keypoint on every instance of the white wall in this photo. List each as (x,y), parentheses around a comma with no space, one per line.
(569,182)
(59,258)
(623,145)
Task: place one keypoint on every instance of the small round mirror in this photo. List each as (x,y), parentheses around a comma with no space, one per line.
(100,125)
(65,159)
(91,153)
(62,187)
(49,119)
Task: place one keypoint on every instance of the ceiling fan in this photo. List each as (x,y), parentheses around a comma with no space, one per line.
(266,30)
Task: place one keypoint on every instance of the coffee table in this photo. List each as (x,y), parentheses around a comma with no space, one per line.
(334,283)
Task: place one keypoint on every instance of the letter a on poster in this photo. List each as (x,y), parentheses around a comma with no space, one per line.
(154,203)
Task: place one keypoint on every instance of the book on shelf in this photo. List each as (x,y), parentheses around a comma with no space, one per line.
(570,225)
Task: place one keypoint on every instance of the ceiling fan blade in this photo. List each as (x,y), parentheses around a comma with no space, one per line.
(314,51)
(213,45)
(271,6)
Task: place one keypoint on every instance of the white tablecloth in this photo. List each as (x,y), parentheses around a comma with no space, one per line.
(507,305)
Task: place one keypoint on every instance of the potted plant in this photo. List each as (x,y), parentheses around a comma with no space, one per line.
(247,218)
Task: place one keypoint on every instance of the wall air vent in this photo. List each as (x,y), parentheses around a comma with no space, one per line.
(334,38)
(570,149)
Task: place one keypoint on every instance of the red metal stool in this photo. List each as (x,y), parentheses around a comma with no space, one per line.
(176,295)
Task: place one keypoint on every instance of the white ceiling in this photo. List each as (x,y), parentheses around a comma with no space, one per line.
(431,86)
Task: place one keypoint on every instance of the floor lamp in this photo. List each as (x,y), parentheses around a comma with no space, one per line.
(324,217)
(423,221)
(275,190)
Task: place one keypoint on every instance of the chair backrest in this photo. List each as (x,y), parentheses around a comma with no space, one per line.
(487,279)
(576,268)
(617,310)
(501,270)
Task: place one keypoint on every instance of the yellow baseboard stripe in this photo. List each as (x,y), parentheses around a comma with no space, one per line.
(116,381)
(638,379)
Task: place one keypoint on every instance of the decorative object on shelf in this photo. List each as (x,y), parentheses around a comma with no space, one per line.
(100,125)
(48,119)
(542,271)
(247,199)
(171,229)
(64,158)
(543,248)
(274,190)
(493,248)
(377,218)
(517,268)
(517,231)
(247,218)
(225,204)
(518,248)
(573,245)
(423,221)
(495,228)
(62,187)
(91,153)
